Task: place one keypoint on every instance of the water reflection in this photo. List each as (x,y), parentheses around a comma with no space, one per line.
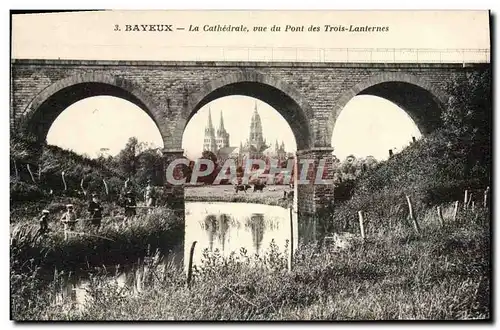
(256,224)
(227,227)
(216,226)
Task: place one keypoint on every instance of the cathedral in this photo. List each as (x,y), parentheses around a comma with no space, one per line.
(255,146)
(215,141)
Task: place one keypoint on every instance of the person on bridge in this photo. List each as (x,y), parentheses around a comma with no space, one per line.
(69,220)
(95,210)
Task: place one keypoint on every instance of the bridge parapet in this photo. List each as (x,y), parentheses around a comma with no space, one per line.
(313,55)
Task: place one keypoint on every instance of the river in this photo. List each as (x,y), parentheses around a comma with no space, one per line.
(226,227)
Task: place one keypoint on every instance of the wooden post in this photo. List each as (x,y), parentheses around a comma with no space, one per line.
(412,216)
(469,201)
(105,186)
(83,189)
(455,211)
(31,173)
(15,170)
(64,181)
(190,264)
(465,199)
(361,224)
(486,194)
(290,258)
(440,216)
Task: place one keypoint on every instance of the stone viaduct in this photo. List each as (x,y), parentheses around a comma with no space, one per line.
(309,96)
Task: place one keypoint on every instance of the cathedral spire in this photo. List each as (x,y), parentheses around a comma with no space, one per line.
(209,125)
(210,143)
(221,125)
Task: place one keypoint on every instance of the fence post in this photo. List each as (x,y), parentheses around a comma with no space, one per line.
(64,181)
(15,170)
(470,200)
(455,211)
(83,189)
(290,259)
(465,199)
(190,264)
(485,200)
(105,186)
(361,224)
(440,216)
(412,216)
(31,173)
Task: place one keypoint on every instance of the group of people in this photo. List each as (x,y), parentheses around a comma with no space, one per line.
(95,211)
(69,217)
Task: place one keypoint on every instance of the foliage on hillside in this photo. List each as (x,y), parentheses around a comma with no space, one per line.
(438,168)
(36,171)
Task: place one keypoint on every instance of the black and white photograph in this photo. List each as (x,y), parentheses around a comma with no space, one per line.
(250,165)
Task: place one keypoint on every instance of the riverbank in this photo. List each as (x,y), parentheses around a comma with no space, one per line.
(115,242)
(271,195)
(441,273)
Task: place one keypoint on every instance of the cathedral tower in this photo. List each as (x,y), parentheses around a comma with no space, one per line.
(210,143)
(222,135)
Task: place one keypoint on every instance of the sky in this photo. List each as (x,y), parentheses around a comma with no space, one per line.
(237,111)
(92,35)
(85,125)
(368,125)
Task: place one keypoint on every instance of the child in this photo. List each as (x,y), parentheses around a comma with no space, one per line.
(69,220)
(95,210)
(43,221)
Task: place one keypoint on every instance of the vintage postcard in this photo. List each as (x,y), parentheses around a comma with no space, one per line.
(250,165)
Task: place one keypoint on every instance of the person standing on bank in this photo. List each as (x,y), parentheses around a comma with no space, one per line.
(130,206)
(149,196)
(69,220)
(95,210)
(44,222)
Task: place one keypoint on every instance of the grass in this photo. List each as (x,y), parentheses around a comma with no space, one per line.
(271,195)
(443,273)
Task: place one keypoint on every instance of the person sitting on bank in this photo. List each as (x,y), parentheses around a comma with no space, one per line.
(69,220)
(95,210)
(44,222)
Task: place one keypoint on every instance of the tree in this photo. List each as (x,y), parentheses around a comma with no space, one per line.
(127,160)
(467,119)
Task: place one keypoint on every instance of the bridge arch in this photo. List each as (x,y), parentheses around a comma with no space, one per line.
(279,95)
(422,101)
(46,106)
